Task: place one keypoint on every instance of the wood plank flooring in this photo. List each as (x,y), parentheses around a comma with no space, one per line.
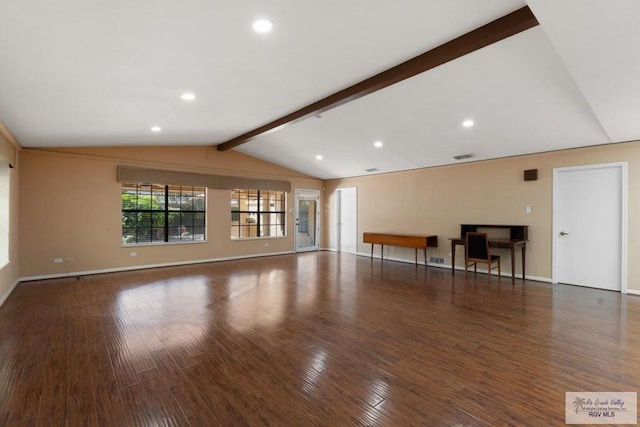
(314,339)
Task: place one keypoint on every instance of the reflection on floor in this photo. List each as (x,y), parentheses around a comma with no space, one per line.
(310,339)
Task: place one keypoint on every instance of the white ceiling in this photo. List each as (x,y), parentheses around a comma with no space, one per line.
(94,73)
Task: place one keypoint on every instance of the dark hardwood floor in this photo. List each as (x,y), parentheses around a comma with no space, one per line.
(305,340)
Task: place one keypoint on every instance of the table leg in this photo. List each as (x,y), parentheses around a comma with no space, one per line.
(524,251)
(453,258)
(372,245)
(381,252)
(513,265)
(416,256)
(425,257)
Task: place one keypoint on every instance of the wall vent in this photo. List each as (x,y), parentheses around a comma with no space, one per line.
(372,170)
(464,156)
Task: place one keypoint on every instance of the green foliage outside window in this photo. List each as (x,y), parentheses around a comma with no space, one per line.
(162,213)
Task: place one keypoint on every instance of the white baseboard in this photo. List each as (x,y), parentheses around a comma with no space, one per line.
(458,268)
(4,296)
(143,267)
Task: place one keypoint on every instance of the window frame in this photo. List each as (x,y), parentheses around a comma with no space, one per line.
(258,199)
(165,209)
(5,212)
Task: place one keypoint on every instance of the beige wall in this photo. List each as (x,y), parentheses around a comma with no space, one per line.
(69,204)
(70,208)
(437,200)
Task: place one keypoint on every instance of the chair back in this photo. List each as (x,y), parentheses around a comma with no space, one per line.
(477,246)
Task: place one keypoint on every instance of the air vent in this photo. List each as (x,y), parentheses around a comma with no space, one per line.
(464,156)
(372,170)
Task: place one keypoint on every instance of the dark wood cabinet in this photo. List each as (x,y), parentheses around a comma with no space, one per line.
(516,232)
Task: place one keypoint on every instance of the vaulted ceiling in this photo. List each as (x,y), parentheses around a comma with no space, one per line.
(88,73)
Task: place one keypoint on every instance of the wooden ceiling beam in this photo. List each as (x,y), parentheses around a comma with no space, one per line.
(500,29)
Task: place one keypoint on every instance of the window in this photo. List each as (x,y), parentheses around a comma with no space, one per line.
(153,213)
(257,213)
(4,212)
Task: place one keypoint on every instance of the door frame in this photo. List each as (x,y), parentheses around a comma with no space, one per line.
(315,194)
(623,166)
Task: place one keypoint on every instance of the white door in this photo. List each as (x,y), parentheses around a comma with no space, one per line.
(347,208)
(589,207)
(307,220)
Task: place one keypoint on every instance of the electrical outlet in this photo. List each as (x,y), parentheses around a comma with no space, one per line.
(58,260)
(133,254)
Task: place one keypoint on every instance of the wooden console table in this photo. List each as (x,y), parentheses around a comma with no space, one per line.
(416,241)
(518,237)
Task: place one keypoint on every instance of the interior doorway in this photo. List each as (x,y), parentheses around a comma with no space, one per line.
(589,226)
(307,220)
(347,215)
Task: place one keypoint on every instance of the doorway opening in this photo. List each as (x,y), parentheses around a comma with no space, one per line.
(347,216)
(307,220)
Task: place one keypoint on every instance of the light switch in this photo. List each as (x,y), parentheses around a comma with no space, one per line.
(527,209)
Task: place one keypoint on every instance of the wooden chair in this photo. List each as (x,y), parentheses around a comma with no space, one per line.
(477,251)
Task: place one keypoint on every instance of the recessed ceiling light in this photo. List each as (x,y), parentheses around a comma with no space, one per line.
(319,157)
(188,96)
(262,26)
(156,129)
(467,123)
(378,144)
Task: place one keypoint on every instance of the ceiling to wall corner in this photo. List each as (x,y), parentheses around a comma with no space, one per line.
(159,72)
